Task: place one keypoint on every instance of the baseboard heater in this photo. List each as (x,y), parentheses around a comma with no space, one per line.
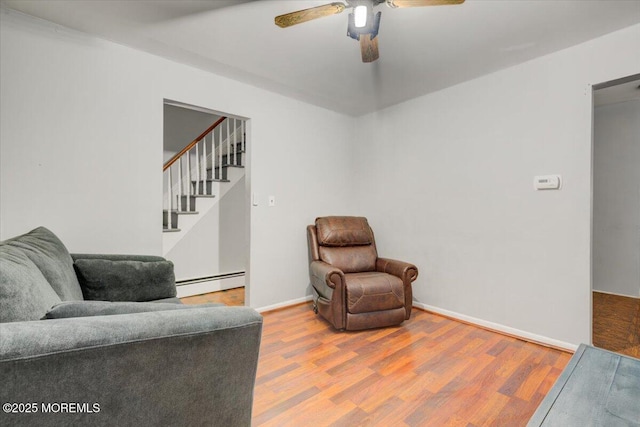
(209,278)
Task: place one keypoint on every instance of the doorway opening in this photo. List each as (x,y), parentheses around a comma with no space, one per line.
(205,210)
(615,251)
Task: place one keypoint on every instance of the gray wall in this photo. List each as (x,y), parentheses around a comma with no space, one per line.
(616,199)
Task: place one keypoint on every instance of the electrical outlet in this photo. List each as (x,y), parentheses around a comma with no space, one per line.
(272,200)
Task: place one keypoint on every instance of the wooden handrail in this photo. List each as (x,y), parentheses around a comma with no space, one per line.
(192,143)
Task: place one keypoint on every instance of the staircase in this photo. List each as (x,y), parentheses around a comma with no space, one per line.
(197,177)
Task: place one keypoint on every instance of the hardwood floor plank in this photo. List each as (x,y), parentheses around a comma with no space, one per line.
(227,297)
(285,405)
(429,371)
(616,323)
(448,373)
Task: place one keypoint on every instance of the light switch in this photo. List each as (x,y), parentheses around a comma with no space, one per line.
(254,199)
(272,200)
(547,182)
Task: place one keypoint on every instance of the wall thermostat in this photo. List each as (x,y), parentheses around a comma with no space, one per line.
(546,182)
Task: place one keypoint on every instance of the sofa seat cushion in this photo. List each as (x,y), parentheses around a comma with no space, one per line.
(25,293)
(50,255)
(69,309)
(107,280)
(373,291)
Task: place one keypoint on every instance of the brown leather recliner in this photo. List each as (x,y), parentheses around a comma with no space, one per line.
(353,288)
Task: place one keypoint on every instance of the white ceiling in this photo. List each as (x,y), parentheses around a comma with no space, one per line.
(422,49)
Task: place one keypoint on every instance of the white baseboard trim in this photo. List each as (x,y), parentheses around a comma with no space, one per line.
(527,336)
(284,304)
(613,293)
(213,285)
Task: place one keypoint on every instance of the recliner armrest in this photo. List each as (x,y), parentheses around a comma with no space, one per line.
(404,270)
(326,273)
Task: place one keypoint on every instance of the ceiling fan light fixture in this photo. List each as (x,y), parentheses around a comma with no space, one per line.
(360,14)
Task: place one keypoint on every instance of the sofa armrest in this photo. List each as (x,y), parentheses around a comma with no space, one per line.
(187,367)
(404,270)
(125,277)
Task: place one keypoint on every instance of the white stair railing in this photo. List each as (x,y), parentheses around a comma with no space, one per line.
(187,173)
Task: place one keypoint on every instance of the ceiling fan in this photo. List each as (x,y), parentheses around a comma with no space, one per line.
(363,24)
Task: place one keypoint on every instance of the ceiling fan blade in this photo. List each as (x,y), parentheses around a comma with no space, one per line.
(416,3)
(369,48)
(305,15)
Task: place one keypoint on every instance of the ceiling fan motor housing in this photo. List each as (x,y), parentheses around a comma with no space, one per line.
(372,27)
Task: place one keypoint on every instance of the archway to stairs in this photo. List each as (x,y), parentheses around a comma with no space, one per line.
(205,198)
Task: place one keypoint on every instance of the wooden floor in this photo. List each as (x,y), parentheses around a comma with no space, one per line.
(429,371)
(616,323)
(228,297)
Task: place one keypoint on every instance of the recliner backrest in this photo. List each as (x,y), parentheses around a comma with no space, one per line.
(347,243)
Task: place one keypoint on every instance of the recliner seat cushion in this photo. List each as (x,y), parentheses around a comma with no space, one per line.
(373,291)
(51,257)
(25,293)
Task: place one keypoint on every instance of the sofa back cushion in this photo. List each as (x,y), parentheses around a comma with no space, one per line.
(107,280)
(25,293)
(51,257)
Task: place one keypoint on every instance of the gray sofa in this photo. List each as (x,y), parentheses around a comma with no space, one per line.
(102,340)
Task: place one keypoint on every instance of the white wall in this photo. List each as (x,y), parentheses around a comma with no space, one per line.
(616,199)
(217,243)
(447,183)
(81,150)
(233,242)
(181,126)
(446,179)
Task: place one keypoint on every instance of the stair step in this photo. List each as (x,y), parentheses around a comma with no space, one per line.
(165,219)
(170,230)
(187,212)
(187,203)
(211,196)
(227,166)
(203,185)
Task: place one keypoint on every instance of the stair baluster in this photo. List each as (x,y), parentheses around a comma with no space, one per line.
(187,205)
(228,143)
(219,154)
(244,138)
(204,183)
(233,145)
(169,199)
(179,182)
(218,157)
(198,164)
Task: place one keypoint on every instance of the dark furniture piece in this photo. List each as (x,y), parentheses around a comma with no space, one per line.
(109,361)
(596,388)
(354,289)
